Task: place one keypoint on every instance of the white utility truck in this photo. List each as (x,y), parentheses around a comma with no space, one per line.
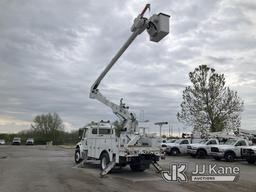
(99,140)
(202,148)
(230,150)
(178,147)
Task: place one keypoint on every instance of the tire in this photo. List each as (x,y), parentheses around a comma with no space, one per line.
(217,158)
(229,157)
(137,168)
(104,160)
(201,153)
(77,156)
(251,160)
(174,152)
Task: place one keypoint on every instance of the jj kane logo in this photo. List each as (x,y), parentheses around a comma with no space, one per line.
(200,172)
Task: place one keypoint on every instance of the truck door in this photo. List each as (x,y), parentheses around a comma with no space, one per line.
(91,142)
(209,143)
(183,146)
(84,140)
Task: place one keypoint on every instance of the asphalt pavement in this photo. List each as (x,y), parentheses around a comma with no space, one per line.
(52,169)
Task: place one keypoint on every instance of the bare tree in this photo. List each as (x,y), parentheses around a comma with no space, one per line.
(50,125)
(209,105)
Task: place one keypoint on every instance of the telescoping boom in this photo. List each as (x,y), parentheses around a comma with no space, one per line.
(157,27)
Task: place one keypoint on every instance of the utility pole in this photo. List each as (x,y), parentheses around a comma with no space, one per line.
(169,129)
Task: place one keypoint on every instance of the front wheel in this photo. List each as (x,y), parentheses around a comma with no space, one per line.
(174,152)
(201,153)
(77,156)
(104,161)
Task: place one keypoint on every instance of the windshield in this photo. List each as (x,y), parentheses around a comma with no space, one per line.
(203,141)
(230,142)
(177,141)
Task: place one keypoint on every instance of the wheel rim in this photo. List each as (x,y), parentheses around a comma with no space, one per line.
(104,163)
(230,157)
(77,156)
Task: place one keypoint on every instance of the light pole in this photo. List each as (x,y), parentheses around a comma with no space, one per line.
(160,126)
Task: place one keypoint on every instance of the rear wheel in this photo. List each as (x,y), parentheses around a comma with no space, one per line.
(229,157)
(104,161)
(77,156)
(137,168)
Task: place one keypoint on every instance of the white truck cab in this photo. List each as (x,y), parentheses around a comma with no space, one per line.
(178,147)
(100,142)
(202,148)
(230,150)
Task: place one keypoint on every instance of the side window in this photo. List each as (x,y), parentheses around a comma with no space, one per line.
(84,133)
(95,131)
(184,142)
(104,131)
(212,142)
(241,143)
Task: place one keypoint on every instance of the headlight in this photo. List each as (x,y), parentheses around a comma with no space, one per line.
(195,148)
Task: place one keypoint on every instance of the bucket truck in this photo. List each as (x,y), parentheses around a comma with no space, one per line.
(99,140)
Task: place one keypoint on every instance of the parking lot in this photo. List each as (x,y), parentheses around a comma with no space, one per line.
(41,168)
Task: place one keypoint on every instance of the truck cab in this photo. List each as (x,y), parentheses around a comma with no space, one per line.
(96,137)
(202,148)
(230,150)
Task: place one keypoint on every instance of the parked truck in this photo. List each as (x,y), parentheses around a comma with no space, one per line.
(230,151)
(178,147)
(201,149)
(100,140)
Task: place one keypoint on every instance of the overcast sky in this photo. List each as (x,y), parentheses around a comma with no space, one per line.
(51,51)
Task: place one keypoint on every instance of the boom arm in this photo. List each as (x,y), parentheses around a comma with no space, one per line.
(139,25)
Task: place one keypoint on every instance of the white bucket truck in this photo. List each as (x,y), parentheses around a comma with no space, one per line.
(99,140)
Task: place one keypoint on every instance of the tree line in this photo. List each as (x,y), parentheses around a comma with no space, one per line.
(46,128)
